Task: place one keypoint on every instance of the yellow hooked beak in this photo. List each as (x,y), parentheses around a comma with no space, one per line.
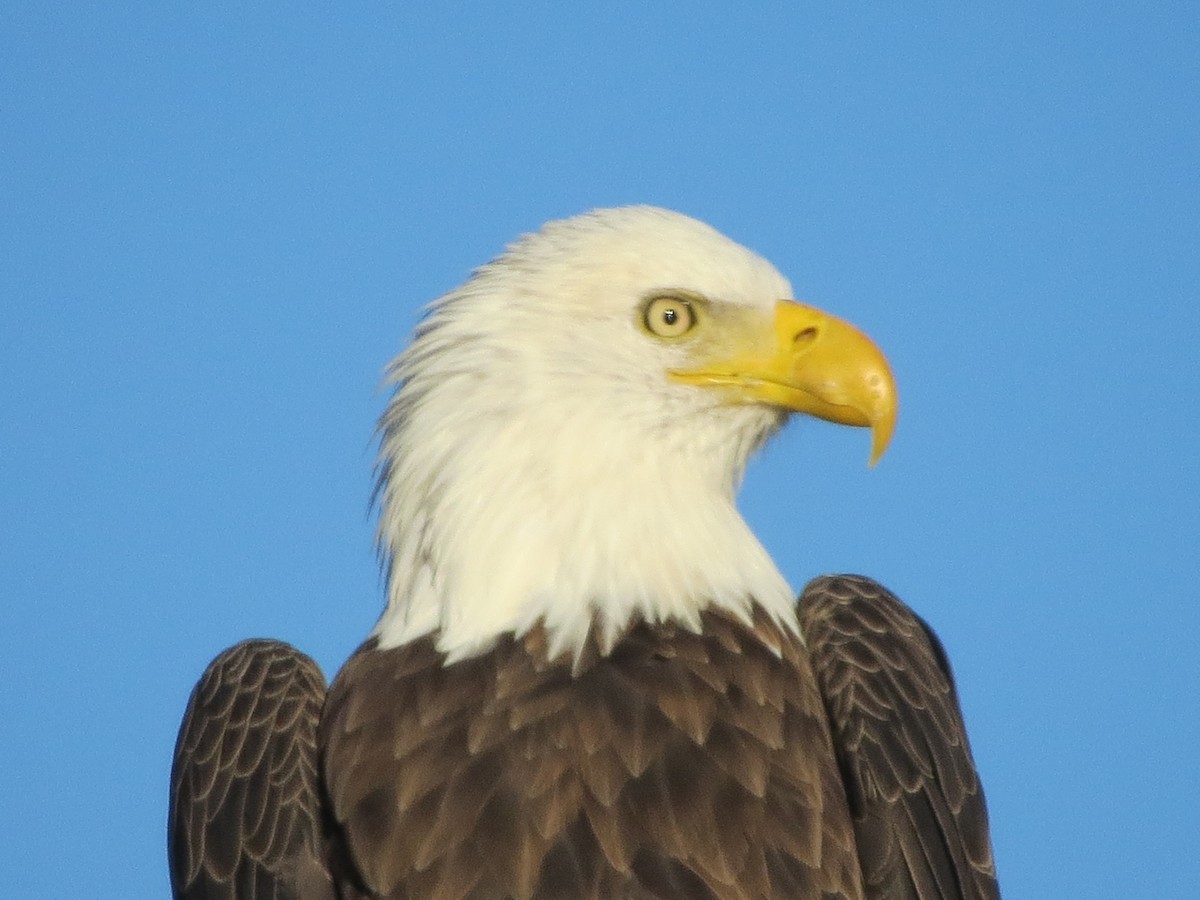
(813,363)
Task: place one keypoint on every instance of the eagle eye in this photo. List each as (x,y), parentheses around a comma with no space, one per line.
(669,316)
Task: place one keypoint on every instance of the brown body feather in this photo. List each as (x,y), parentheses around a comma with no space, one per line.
(678,765)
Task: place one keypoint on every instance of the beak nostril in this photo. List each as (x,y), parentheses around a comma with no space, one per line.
(805,336)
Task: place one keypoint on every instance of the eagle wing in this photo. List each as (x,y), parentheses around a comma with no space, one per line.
(915,797)
(245,819)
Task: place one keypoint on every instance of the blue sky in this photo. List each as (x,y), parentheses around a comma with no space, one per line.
(220,223)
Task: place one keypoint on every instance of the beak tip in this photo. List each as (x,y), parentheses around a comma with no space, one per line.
(881,435)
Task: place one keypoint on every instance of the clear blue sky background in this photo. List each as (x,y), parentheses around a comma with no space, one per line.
(218,224)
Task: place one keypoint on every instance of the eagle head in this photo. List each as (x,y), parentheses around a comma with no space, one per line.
(569,427)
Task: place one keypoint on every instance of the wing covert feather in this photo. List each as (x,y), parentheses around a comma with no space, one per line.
(245,820)
(915,796)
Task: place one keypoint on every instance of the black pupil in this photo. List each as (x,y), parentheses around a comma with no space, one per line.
(670,314)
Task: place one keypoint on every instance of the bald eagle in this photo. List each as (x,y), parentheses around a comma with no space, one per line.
(590,680)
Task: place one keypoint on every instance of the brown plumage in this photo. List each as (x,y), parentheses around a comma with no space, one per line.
(245,819)
(680,765)
(920,820)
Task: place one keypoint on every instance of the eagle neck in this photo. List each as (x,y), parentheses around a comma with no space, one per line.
(581,532)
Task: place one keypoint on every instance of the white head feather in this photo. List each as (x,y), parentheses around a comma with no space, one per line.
(537,464)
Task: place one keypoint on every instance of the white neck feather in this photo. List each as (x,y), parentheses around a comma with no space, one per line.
(606,528)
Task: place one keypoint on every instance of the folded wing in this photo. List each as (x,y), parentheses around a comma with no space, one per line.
(245,820)
(915,798)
